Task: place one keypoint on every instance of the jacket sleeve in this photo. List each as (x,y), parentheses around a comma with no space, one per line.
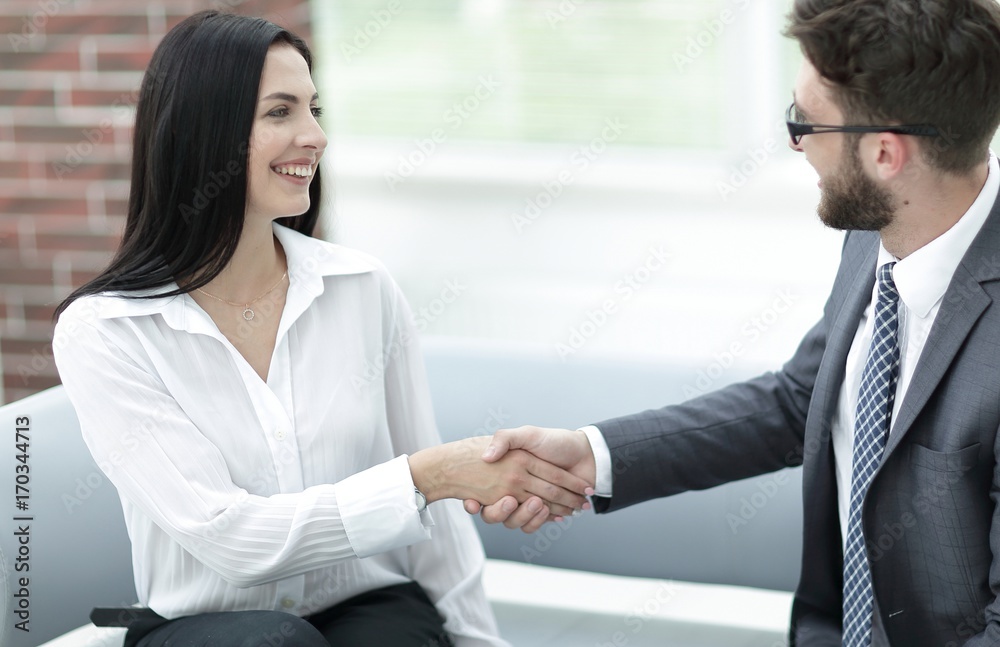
(739,431)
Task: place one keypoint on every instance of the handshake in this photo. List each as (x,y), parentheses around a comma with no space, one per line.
(521,477)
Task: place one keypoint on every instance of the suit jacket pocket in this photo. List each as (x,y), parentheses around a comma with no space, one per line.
(949,546)
(962,460)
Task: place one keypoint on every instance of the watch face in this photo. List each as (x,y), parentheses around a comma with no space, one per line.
(421,500)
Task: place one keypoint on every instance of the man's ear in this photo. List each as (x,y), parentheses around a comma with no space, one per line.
(887,154)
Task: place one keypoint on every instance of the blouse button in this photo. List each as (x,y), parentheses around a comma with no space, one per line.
(288,603)
(280,434)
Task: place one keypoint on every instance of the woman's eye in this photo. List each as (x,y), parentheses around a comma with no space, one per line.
(317,111)
(278,112)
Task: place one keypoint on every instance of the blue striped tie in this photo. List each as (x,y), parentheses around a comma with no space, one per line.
(871,428)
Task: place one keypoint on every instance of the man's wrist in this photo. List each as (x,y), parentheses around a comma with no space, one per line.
(602,460)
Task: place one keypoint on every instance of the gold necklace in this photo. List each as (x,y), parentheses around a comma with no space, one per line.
(248,313)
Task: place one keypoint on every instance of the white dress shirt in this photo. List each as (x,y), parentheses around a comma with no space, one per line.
(921,280)
(291,495)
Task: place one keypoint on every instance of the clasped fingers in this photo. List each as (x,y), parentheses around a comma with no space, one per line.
(562,491)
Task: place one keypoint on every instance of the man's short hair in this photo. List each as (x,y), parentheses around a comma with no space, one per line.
(911,62)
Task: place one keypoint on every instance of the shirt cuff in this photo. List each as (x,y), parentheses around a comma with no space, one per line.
(379,509)
(602,460)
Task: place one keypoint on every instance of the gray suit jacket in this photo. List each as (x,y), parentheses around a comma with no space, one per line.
(930,516)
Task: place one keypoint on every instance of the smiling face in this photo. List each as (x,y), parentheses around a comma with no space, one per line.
(286,141)
(850,198)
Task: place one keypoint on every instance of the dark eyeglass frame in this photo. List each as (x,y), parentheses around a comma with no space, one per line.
(797,130)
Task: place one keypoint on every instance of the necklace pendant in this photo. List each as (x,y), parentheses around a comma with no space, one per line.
(248,314)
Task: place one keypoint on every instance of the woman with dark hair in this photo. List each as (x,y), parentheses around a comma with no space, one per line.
(257,395)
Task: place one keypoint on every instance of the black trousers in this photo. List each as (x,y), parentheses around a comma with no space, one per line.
(395,616)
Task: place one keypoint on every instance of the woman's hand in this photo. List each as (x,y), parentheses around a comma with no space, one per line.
(457,471)
(562,447)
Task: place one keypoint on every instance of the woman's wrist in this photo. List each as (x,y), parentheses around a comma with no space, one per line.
(427,471)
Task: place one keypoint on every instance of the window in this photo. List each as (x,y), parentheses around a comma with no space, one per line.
(582,177)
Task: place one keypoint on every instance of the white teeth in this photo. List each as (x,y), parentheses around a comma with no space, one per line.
(296,170)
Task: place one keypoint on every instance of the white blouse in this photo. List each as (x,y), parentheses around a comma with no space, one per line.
(294,494)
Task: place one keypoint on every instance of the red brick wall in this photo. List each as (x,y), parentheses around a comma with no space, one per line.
(69,75)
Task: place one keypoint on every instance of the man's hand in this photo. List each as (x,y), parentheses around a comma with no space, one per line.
(456,471)
(567,449)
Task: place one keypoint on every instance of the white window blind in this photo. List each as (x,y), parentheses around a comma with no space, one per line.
(668,68)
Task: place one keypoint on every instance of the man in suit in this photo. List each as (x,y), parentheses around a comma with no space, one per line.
(891,403)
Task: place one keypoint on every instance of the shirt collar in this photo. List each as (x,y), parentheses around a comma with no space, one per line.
(922,277)
(309,261)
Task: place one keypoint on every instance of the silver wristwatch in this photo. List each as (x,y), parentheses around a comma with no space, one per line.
(421,500)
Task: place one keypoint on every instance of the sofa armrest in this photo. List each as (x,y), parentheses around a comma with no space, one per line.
(540,606)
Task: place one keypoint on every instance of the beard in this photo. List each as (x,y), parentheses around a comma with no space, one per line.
(852,200)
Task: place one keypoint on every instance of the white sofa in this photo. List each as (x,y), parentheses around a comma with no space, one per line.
(699,569)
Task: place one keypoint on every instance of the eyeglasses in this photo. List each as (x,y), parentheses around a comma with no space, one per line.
(797,130)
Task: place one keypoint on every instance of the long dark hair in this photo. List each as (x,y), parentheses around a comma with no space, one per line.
(188,194)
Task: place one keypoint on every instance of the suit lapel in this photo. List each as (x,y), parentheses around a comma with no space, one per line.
(962,305)
(822,558)
(841,335)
